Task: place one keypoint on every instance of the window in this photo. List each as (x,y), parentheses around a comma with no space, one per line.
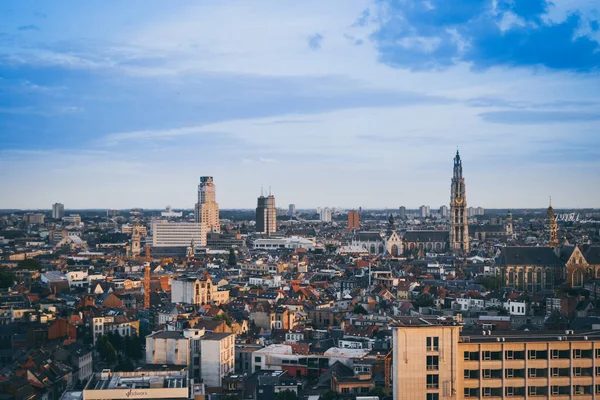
(577,371)
(433,343)
(554,372)
(577,389)
(510,391)
(433,381)
(487,355)
(433,396)
(532,373)
(597,389)
(257,359)
(576,353)
(532,390)
(345,390)
(467,373)
(554,354)
(433,363)
(510,373)
(487,373)
(509,355)
(597,353)
(531,354)
(555,390)
(487,392)
(597,371)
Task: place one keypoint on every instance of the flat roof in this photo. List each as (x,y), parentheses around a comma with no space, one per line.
(529,336)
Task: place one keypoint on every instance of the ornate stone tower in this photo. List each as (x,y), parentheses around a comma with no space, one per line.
(136,242)
(509,224)
(552,226)
(459,226)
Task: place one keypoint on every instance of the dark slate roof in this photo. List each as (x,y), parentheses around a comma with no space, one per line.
(368,237)
(565,252)
(592,255)
(527,255)
(473,228)
(427,236)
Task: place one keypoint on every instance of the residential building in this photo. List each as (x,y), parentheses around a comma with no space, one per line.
(444,211)
(293,242)
(402,212)
(292,210)
(176,347)
(217,357)
(325,214)
(424,211)
(73,219)
(266,215)
(207,209)
(197,291)
(177,234)
(434,360)
(34,218)
(58,211)
(119,324)
(353,221)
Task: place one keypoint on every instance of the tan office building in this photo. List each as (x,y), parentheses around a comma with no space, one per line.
(434,360)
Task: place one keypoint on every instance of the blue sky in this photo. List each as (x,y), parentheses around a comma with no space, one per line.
(339,103)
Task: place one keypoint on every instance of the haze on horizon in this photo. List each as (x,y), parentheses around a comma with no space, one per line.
(126,104)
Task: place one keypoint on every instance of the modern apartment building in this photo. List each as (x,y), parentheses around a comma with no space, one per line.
(217,357)
(119,324)
(197,290)
(175,347)
(266,215)
(58,210)
(434,360)
(353,221)
(177,234)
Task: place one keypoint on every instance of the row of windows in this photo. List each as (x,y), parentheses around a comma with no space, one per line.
(356,390)
(554,354)
(532,391)
(531,373)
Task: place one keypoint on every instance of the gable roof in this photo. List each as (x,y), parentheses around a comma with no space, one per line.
(529,255)
(427,236)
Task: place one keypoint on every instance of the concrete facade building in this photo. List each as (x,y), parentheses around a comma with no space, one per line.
(58,210)
(292,210)
(402,212)
(217,357)
(177,234)
(325,214)
(197,291)
(444,211)
(175,348)
(207,209)
(34,218)
(266,215)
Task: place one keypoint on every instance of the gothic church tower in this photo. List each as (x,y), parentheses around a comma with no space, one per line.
(459,226)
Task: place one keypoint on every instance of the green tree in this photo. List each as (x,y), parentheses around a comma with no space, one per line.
(330,395)
(224,317)
(107,352)
(287,395)
(490,282)
(424,300)
(358,309)
(134,348)
(232,260)
(7,278)
(125,364)
(378,391)
(29,263)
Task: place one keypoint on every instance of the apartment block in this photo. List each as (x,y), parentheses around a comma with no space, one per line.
(434,360)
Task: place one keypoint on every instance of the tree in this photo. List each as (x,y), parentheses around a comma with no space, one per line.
(424,300)
(232,260)
(223,317)
(125,364)
(358,309)
(29,263)
(106,350)
(490,282)
(330,395)
(378,391)
(7,278)
(134,348)
(287,395)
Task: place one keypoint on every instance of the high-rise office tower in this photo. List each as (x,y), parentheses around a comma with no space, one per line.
(402,212)
(353,220)
(459,226)
(266,215)
(424,211)
(292,210)
(207,209)
(58,210)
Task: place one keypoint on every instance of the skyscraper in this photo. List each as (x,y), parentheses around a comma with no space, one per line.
(459,227)
(266,215)
(353,220)
(325,214)
(207,209)
(402,213)
(424,211)
(292,210)
(444,211)
(58,211)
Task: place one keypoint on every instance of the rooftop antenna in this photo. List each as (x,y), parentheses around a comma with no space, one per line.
(550,201)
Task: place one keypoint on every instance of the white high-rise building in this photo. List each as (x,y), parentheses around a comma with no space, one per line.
(58,210)
(207,209)
(444,211)
(326,214)
(177,234)
(217,358)
(424,211)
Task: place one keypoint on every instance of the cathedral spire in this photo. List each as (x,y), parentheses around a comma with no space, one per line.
(459,229)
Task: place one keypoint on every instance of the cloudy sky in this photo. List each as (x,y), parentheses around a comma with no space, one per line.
(331,103)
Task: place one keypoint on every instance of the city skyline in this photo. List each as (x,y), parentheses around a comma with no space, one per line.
(373,96)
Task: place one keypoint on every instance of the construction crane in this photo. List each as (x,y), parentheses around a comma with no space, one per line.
(147,278)
(388,371)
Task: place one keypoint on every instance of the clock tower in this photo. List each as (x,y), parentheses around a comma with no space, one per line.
(459,226)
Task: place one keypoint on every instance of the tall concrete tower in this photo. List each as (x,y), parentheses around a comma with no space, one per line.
(207,209)
(266,215)
(459,226)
